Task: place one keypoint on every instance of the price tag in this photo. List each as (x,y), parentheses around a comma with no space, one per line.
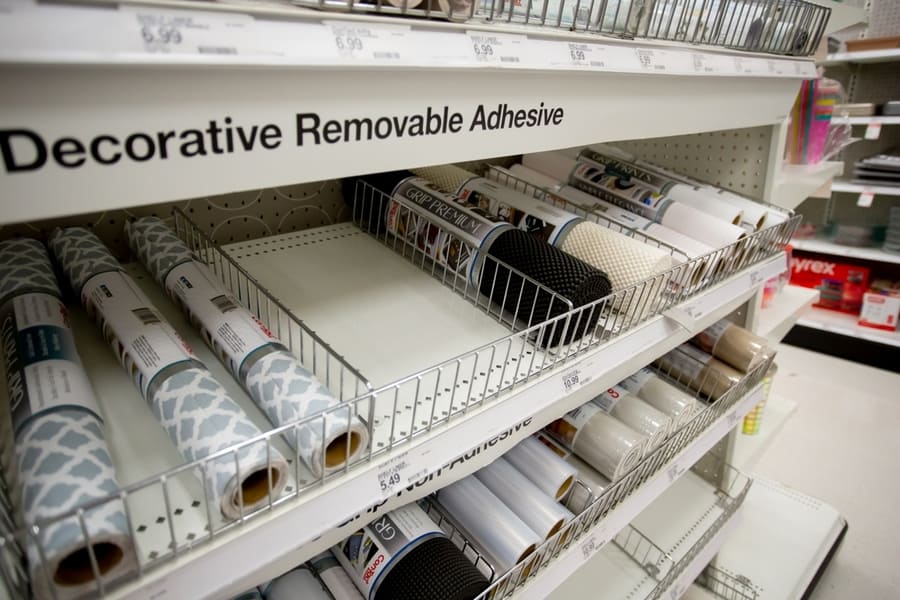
(586,55)
(756,278)
(650,60)
(181,32)
(591,545)
(702,63)
(386,44)
(873,131)
(733,418)
(398,472)
(577,377)
(865,198)
(498,49)
(742,66)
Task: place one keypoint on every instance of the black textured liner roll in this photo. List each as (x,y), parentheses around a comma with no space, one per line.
(569,277)
(434,570)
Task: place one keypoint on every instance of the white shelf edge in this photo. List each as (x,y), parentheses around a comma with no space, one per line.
(826,247)
(858,188)
(795,183)
(573,558)
(846,324)
(887,120)
(223,566)
(774,321)
(748,449)
(866,56)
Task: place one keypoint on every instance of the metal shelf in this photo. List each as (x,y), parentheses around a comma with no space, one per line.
(858,188)
(846,324)
(796,532)
(874,119)
(777,319)
(748,449)
(689,522)
(795,183)
(142,450)
(826,247)
(867,56)
(262,65)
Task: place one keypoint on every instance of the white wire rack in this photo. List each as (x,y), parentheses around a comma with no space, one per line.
(726,586)
(435,396)
(732,485)
(790,27)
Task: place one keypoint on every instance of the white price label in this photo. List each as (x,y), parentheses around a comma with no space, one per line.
(733,418)
(380,44)
(497,49)
(571,380)
(397,473)
(756,278)
(702,63)
(586,55)
(865,198)
(649,60)
(591,545)
(178,32)
(775,66)
(742,66)
(873,131)
(674,472)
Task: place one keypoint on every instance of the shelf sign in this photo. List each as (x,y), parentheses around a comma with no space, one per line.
(873,131)
(865,198)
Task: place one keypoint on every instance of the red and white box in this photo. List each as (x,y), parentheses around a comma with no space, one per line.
(841,285)
(880,311)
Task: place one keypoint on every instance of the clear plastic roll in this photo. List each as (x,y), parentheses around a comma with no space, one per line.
(493,526)
(542,513)
(553,163)
(197,413)
(334,576)
(533,177)
(298,584)
(279,384)
(603,441)
(691,221)
(542,466)
(662,395)
(734,345)
(61,460)
(699,370)
(590,485)
(637,414)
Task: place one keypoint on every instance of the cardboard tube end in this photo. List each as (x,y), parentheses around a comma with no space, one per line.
(75,569)
(337,452)
(256,487)
(565,487)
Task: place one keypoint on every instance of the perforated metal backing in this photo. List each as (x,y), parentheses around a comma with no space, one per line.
(734,159)
(884,18)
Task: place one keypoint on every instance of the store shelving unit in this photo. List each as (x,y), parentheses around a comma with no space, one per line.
(790,304)
(272,66)
(827,247)
(844,324)
(748,449)
(867,56)
(889,120)
(859,188)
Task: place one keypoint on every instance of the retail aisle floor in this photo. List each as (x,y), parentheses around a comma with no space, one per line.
(842,446)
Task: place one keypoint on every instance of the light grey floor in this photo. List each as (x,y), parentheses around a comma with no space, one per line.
(842,445)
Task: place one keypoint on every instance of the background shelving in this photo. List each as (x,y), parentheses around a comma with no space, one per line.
(844,324)
(827,247)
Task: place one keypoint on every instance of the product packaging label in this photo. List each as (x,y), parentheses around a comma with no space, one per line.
(627,171)
(144,343)
(625,217)
(230,329)
(538,218)
(608,399)
(43,370)
(572,422)
(709,337)
(633,383)
(466,229)
(628,194)
(369,553)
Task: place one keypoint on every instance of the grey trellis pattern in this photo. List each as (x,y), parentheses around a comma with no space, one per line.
(287,392)
(201,419)
(62,461)
(156,246)
(195,410)
(81,255)
(25,267)
(279,384)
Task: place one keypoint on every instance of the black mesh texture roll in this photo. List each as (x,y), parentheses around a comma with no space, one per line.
(370,210)
(566,275)
(434,570)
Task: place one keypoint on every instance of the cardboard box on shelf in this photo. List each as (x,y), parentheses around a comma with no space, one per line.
(841,285)
(880,311)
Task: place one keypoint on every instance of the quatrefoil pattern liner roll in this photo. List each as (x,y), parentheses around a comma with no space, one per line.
(194,409)
(62,462)
(278,383)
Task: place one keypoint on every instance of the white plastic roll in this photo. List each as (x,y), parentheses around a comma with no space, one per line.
(496,529)
(690,246)
(554,164)
(600,439)
(706,202)
(299,584)
(662,395)
(542,466)
(334,576)
(278,383)
(707,229)
(587,476)
(542,513)
(637,414)
(534,177)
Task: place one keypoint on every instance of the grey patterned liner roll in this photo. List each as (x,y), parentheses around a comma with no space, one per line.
(282,387)
(62,459)
(194,409)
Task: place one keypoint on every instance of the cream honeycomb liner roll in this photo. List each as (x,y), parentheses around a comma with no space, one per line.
(194,409)
(61,458)
(637,414)
(662,395)
(279,384)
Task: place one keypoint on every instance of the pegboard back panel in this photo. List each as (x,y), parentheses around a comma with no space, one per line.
(735,159)
(226,218)
(884,18)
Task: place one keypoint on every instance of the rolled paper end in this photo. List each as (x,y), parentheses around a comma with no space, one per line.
(340,448)
(255,487)
(565,487)
(528,551)
(75,569)
(556,527)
